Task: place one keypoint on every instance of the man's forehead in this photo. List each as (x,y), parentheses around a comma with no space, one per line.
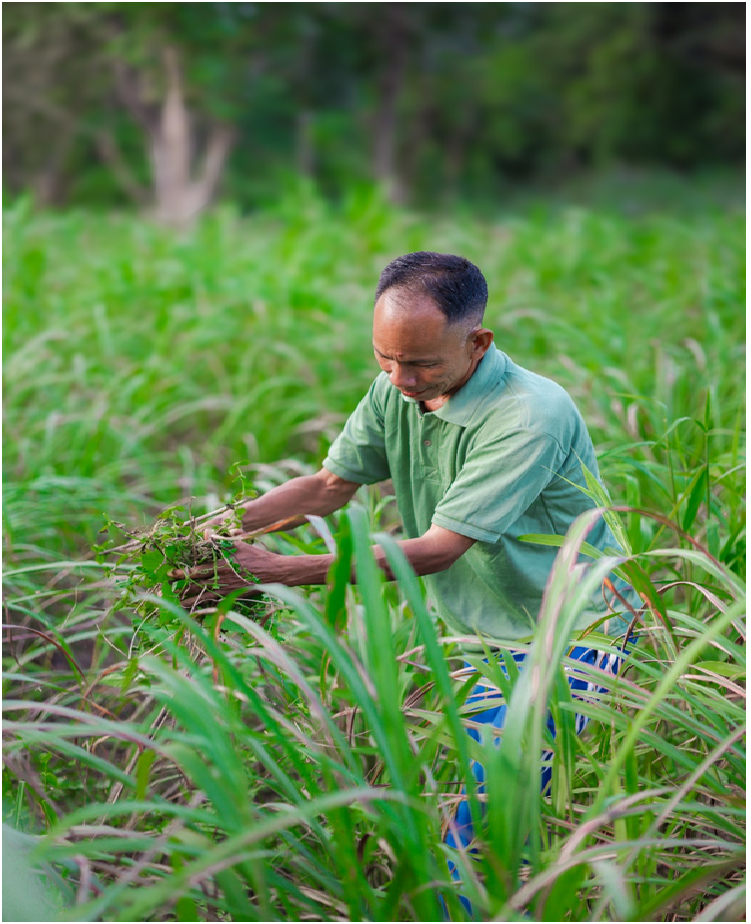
(403,301)
(398,314)
(409,355)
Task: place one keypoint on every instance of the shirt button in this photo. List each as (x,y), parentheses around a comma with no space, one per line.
(427,442)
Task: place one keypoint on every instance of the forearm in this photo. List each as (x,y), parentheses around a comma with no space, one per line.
(307,495)
(424,555)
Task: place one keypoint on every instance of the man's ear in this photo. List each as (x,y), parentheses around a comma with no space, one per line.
(481,340)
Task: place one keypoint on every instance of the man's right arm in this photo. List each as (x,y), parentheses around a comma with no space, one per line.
(359,450)
(289,503)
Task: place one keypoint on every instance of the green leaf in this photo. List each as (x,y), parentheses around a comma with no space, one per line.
(226,603)
(697,494)
(564,895)
(340,576)
(723,668)
(713,538)
(143,768)
(186,909)
(168,512)
(129,675)
(558,541)
(151,561)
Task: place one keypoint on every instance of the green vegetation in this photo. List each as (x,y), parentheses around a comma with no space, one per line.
(301,764)
(435,101)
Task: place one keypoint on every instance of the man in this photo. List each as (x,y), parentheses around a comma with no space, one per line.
(480,452)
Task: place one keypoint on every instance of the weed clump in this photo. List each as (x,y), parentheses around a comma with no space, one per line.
(156,564)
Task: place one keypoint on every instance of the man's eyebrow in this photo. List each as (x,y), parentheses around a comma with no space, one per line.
(410,362)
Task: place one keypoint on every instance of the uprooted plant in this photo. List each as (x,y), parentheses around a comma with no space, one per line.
(160,560)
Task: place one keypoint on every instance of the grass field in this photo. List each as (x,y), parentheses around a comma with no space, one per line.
(286,769)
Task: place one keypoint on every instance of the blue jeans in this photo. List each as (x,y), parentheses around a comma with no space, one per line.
(496,718)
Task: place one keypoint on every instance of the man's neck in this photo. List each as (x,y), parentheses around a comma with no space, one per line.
(434,403)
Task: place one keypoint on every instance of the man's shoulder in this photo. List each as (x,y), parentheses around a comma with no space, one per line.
(535,389)
(528,400)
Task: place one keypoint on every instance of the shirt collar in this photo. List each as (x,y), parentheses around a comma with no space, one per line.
(460,407)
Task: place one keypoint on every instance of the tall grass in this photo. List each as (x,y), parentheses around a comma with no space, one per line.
(140,365)
(306,773)
(305,766)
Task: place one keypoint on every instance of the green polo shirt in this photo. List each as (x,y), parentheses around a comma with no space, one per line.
(493,463)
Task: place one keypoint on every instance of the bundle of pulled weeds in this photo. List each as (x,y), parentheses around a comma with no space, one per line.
(159,561)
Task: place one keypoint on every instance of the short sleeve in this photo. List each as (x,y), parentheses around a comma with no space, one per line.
(359,452)
(501,477)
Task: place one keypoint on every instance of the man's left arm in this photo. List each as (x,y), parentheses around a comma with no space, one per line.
(436,550)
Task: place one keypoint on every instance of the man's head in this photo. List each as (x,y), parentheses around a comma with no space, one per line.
(457,286)
(427,325)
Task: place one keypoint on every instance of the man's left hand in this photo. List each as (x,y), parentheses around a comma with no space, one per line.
(266,566)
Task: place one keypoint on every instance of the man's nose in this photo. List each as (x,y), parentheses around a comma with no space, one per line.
(401,378)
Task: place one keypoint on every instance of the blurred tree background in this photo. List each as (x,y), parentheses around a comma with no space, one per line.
(166,106)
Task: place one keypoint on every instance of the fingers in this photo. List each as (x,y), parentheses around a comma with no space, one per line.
(180,574)
(205,597)
(193,599)
(206,585)
(231,519)
(199,572)
(210,533)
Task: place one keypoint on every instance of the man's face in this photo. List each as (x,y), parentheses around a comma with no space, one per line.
(423,355)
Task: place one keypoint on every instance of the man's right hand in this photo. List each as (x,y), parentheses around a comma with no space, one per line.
(229,517)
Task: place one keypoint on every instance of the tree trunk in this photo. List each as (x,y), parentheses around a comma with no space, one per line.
(47,183)
(171,148)
(181,193)
(181,189)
